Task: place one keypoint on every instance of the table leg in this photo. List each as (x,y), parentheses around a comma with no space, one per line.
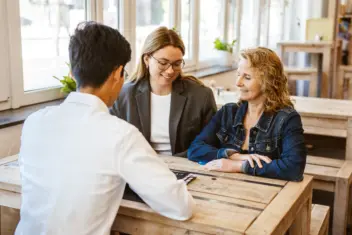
(301,225)
(340,77)
(326,77)
(349,140)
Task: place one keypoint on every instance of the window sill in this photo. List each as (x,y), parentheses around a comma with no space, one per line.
(17,116)
(215,70)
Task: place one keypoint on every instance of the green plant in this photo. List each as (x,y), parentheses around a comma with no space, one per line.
(224,46)
(68,83)
(176,30)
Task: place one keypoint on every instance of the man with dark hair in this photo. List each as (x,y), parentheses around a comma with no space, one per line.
(76,158)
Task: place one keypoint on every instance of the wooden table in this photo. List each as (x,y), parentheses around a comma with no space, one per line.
(226,204)
(328,117)
(323,47)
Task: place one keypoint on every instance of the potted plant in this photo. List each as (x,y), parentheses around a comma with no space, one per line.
(68,83)
(225,51)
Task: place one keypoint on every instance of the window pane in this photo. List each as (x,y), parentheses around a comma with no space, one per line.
(231,32)
(276,12)
(186,26)
(248,38)
(111,10)
(150,14)
(264,24)
(210,28)
(45,29)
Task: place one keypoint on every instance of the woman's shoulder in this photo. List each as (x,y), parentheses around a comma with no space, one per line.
(129,88)
(287,113)
(192,84)
(287,110)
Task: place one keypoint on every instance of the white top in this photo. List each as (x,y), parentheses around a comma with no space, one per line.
(75,160)
(159,123)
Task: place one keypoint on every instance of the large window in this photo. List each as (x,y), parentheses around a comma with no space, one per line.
(150,14)
(186,26)
(45,30)
(35,35)
(211,26)
(247,34)
(111,9)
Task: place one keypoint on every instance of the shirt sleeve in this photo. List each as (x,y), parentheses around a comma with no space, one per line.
(148,175)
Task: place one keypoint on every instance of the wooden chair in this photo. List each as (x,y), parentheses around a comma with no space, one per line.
(344,82)
(335,176)
(307,74)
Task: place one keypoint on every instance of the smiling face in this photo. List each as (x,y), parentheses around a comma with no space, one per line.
(158,64)
(248,82)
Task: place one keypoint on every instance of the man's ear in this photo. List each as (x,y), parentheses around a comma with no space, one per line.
(118,74)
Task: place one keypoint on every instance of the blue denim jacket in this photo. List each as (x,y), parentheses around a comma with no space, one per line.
(278,136)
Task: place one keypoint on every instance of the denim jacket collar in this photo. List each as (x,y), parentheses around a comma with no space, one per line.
(263,123)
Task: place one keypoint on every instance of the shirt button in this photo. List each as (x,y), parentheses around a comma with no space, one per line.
(252,148)
(254,132)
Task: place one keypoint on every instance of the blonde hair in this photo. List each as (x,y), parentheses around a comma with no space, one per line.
(269,67)
(156,40)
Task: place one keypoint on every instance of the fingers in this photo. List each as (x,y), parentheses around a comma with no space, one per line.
(250,160)
(263,158)
(257,160)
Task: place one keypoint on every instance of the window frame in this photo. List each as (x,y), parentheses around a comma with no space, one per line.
(4,59)
(17,96)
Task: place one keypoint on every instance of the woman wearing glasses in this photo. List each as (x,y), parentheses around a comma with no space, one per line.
(168,107)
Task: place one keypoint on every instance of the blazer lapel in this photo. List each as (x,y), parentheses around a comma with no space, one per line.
(143,106)
(178,102)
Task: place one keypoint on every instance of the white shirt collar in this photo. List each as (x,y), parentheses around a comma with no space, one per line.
(87,99)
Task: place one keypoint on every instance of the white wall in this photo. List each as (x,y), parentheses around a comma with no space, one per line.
(10,140)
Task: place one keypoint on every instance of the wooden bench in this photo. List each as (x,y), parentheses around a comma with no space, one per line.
(319,223)
(335,176)
(344,82)
(307,74)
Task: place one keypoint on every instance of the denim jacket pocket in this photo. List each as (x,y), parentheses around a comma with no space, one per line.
(225,137)
(268,148)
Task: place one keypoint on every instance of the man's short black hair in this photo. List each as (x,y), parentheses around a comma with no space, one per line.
(95,50)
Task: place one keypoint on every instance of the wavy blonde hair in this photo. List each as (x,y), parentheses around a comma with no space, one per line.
(269,69)
(156,40)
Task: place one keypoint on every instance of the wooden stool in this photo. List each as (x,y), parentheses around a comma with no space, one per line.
(344,81)
(308,74)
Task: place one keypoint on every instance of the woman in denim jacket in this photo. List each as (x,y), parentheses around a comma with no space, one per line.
(260,135)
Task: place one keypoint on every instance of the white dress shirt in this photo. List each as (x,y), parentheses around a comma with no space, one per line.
(159,118)
(75,160)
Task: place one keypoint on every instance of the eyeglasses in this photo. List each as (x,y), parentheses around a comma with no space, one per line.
(163,65)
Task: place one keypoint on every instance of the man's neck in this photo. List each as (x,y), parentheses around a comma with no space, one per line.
(96,92)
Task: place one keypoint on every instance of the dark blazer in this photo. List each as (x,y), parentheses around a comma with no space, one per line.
(192,106)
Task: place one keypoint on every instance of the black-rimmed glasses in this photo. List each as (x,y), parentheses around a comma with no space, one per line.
(163,65)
